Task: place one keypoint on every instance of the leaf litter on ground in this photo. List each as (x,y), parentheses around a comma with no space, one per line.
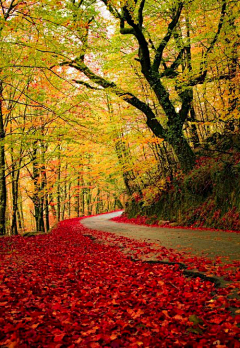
(64,289)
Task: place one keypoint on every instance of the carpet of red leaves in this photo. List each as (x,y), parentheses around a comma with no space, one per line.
(65,290)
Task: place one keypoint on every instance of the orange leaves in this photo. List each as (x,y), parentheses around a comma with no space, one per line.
(151,140)
(135,314)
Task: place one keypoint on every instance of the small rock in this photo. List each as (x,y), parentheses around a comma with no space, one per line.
(163,222)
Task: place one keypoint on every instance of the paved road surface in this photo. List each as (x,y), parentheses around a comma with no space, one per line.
(197,242)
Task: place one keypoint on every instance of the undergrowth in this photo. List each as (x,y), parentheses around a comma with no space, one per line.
(208,196)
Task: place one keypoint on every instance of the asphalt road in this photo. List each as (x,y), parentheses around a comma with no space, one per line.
(210,244)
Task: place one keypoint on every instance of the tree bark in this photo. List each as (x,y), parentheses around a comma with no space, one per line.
(58,185)
(183,152)
(89,202)
(77,197)
(20,219)
(69,200)
(37,194)
(45,197)
(3,192)
(15,179)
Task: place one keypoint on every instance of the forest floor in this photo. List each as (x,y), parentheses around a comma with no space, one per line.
(79,287)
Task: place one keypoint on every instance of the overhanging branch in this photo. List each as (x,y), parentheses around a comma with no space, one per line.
(167,37)
(128,97)
(86,85)
(203,67)
(112,9)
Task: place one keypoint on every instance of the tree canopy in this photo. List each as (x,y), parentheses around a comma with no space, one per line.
(104,99)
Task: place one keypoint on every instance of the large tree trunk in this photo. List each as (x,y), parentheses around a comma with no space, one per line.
(3,193)
(183,152)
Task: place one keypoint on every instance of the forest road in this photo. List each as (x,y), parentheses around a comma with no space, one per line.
(205,243)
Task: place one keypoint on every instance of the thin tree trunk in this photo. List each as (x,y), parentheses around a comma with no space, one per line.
(37,195)
(58,184)
(77,197)
(36,187)
(15,173)
(45,197)
(64,199)
(47,223)
(3,191)
(14,177)
(20,219)
(192,128)
(51,203)
(69,200)
(15,180)
(43,182)
(98,201)
(83,196)
(89,202)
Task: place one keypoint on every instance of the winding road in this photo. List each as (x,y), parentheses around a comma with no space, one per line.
(206,243)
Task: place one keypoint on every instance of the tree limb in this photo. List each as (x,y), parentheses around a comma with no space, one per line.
(131,99)
(86,85)
(171,70)
(126,31)
(112,9)
(138,11)
(10,8)
(203,67)
(167,37)
(144,54)
(3,11)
